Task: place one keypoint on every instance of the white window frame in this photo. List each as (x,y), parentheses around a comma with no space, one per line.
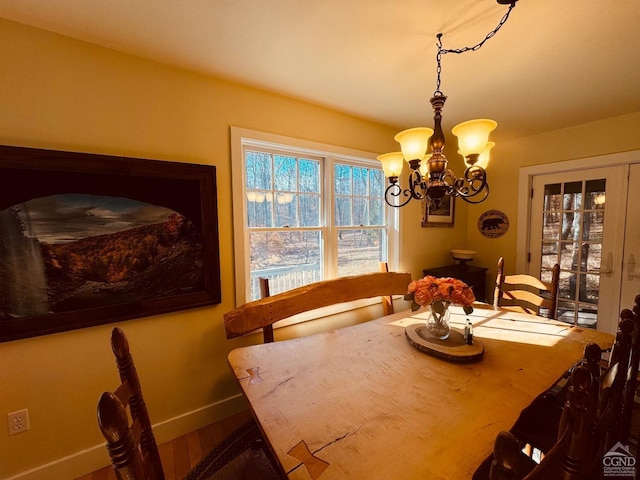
(241,138)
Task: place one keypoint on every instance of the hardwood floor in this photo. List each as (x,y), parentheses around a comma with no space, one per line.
(180,455)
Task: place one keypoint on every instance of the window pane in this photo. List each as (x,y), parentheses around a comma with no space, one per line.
(549,254)
(592,228)
(309,175)
(365,192)
(566,255)
(575,313)
(566,312)
(343,211)
(376,183)
(552,189)
(286,210)
(551,227)
(360,181)
(573,187)
(587,316)
(592,289)
(552,198)
(259,173)
(260,209)
(360,211)
(359,251)
(571,225)
(572,196)
(286,173)
(309,210)
(546,276)
(595,187)
(566,288)
(271,190)
(342,179)
(287,259)
(592,257)
(376,211)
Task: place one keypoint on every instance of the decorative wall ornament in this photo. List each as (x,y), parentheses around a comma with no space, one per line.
(493,223)
(440,214)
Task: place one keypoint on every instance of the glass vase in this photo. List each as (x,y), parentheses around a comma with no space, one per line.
(438,321)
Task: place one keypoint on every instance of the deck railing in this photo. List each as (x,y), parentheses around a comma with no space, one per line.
(285,278)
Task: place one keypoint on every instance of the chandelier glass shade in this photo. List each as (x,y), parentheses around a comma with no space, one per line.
(473,136)
(429,177)
(483,159)
(414,142)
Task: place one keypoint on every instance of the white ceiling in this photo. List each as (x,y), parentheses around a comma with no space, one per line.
(553,64)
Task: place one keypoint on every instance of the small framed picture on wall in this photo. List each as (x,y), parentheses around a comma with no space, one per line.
(438,213)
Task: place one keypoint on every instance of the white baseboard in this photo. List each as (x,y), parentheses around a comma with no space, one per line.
(96,457)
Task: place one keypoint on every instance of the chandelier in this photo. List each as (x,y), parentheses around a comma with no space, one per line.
(429,177)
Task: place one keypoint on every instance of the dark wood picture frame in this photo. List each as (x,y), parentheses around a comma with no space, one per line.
(442,216)
(190,276)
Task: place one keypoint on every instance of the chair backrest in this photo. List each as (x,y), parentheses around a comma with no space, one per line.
(618,386)
(632,377)
(267,330)
(266,311)
(597,413)
(387,301)
(526,293)
(570,456)
(132,447)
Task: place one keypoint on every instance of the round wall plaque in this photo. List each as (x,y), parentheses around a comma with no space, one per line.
(493,223)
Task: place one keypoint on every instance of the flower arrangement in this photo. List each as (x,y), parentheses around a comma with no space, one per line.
(439,293)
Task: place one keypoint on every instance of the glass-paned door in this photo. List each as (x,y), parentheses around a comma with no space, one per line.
(575,223)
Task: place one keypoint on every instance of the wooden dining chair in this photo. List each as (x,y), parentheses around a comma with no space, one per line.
(131,444)
(267,311)
(526,293)
(629,403)
(607,415)
(570,456)
(132,447)
(537,427)
(614,411)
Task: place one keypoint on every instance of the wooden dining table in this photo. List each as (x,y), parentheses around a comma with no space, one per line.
(363,403)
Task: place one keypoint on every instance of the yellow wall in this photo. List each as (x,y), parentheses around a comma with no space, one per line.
(612,135)
(58,93)
(63,94)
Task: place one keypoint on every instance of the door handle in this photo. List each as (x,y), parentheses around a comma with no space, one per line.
(631,268)
(607,268)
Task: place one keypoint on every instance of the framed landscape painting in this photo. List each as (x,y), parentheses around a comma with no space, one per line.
(88,239)
(441,214)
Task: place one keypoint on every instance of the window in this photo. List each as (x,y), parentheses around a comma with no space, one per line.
(304,212)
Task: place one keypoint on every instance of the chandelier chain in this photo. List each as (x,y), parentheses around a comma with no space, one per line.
(443,51)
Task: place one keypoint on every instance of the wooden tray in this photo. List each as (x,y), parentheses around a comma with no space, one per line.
(452,349)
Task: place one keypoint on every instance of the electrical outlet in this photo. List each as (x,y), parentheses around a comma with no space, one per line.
(18,421)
